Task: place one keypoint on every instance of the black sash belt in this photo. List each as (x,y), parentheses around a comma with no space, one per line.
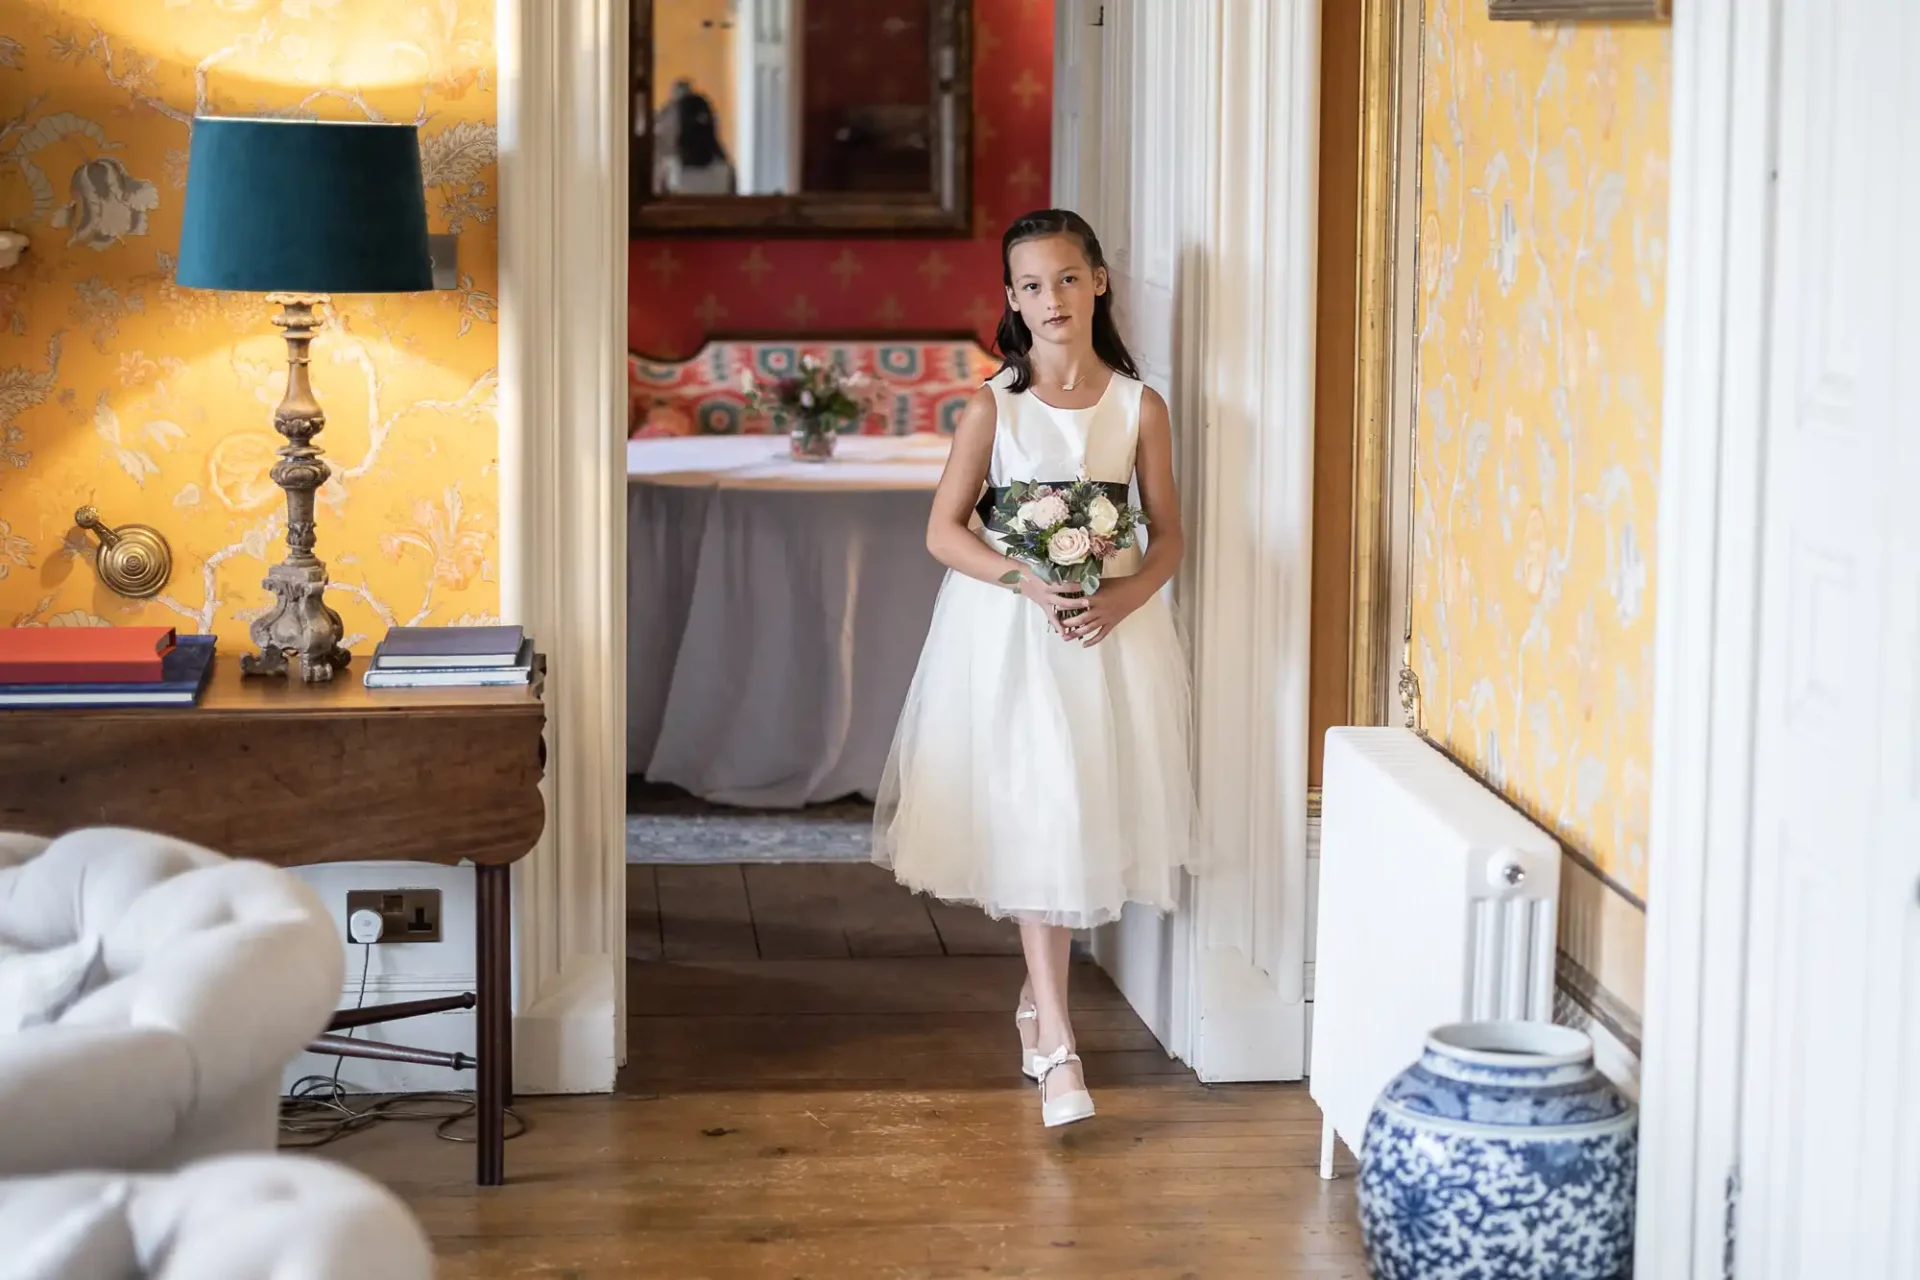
(990,501)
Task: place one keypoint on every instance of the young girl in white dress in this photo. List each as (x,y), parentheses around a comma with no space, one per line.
(1041,769)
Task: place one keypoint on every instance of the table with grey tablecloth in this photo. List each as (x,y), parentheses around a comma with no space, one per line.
(775,612)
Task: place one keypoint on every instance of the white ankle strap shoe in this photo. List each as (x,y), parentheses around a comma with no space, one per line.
(1068,1108)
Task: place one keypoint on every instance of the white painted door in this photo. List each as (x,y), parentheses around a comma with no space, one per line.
(766,89)
(1079,52)
(1830,1108)
(1186,133)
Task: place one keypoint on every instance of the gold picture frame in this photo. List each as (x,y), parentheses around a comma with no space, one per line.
(945,209)
(1372,644)
(1579,10)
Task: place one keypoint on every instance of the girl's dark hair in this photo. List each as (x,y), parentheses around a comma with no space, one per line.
(1013,341)
(698,137)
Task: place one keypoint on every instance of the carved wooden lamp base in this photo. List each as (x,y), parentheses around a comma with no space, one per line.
(299,628)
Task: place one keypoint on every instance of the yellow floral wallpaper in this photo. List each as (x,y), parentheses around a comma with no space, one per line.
(1542,259)
(154,403)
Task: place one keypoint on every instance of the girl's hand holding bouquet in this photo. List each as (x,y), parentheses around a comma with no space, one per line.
(1064,536)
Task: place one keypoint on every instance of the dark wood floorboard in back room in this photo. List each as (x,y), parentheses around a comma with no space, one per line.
(823,1081)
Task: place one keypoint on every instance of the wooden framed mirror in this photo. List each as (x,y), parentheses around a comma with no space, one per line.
(802,117)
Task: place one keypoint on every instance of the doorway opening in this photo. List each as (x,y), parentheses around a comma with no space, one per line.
(711,293)
(776,607)
(805,195)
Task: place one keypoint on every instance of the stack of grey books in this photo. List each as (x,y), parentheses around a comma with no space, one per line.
(427,657)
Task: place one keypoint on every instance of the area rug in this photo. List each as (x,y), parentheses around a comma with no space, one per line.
(830,833)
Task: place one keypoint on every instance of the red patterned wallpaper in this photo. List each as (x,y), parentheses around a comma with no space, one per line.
(680,290)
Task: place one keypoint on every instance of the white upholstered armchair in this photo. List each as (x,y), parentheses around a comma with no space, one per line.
(151,993)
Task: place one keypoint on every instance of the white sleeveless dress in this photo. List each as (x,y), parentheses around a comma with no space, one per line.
(1032,776)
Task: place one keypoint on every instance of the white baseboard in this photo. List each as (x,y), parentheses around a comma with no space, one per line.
(567,1043)
(1138,954)
(1616,1061)
(1253,1034)
(1247,1031)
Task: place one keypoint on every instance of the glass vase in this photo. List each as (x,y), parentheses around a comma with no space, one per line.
(813,439)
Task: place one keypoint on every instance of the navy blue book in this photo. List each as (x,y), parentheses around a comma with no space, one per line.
(183,674)
(463,647)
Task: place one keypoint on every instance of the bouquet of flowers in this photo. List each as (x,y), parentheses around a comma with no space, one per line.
(811,404)
(1066,533)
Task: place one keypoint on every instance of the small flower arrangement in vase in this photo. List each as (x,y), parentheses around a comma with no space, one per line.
(814,405)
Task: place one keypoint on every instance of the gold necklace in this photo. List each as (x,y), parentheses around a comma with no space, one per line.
(1069,384)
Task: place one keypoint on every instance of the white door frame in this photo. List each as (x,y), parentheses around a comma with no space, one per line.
(1252,563)
(1706,642)
(1246,344)
(1079,53)
(563,107)
(766,92)
(1207,214)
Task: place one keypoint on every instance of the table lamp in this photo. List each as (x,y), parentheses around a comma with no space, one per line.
(298,210)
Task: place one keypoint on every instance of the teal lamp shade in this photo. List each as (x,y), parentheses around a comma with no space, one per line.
(302,206)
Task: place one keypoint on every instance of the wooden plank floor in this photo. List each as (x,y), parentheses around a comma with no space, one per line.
(824,1082)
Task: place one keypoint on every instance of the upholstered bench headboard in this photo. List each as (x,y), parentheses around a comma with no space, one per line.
(920,384)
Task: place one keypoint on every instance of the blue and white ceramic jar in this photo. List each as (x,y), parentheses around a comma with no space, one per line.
(1501,1153)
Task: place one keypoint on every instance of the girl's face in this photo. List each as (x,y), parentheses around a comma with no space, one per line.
(1053,288)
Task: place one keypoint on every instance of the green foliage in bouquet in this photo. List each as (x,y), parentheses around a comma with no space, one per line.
(818,392)
(1067,533)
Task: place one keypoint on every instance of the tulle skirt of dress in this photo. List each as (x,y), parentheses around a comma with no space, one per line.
(1037,778)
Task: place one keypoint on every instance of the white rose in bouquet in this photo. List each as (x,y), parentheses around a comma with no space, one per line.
(1102,517)
(1069,547)
(1044,513)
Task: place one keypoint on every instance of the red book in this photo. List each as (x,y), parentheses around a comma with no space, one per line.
(82,655)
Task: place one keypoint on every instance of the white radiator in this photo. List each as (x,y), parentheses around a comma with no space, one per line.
(1437,904)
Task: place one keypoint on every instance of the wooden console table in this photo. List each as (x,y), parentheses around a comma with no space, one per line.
(297,774)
